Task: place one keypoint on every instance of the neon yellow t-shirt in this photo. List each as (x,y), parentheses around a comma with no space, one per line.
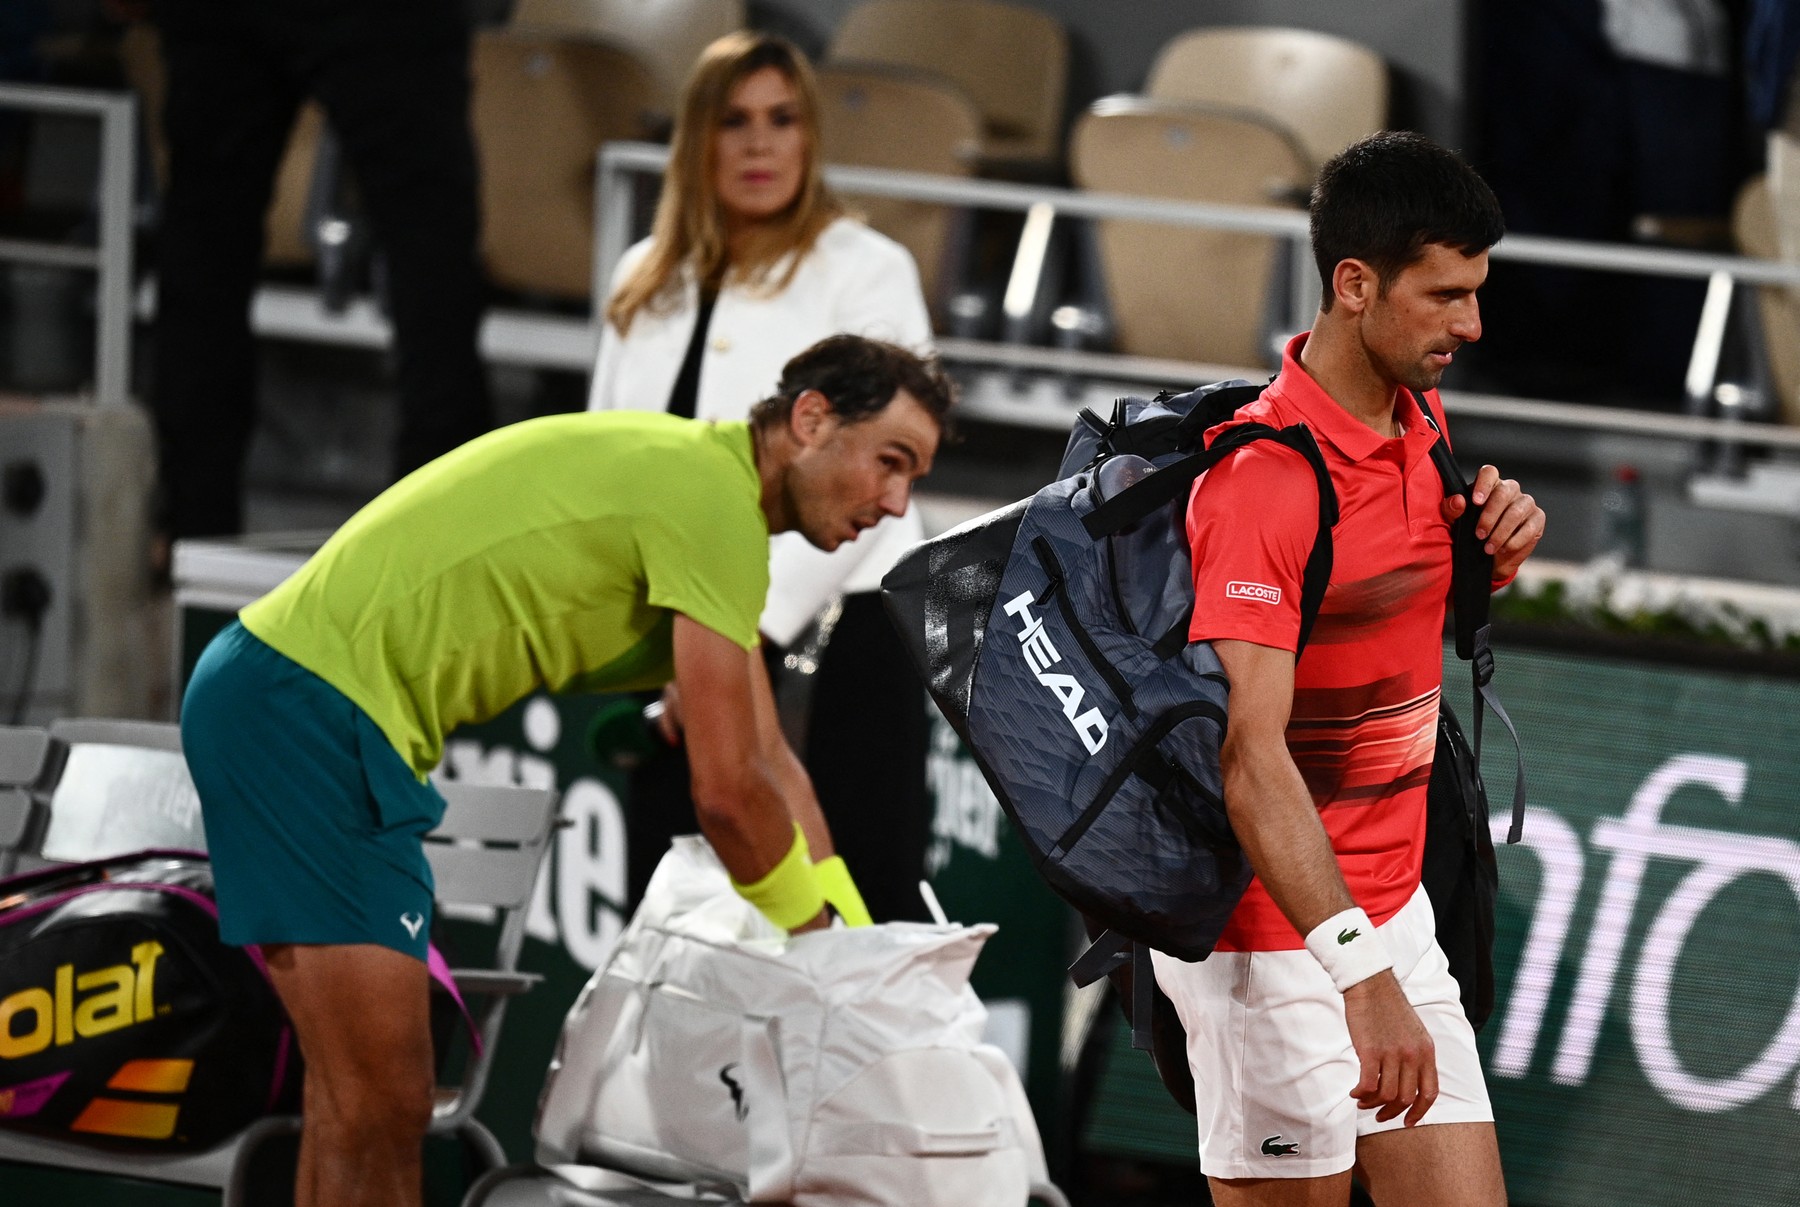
(551,553)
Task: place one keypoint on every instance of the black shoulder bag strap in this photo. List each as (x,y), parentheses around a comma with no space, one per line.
(1471,579)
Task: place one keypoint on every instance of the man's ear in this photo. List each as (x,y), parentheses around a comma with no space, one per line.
(1354,284)
(809,418)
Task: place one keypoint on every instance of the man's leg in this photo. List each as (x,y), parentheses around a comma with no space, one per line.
(1332,1191)
(402,113)
(1448,1164)
(360,1012)
(227,119)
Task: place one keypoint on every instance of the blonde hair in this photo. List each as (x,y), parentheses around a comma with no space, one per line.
(689,227)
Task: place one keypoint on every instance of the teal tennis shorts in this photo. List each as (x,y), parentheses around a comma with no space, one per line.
(313,820)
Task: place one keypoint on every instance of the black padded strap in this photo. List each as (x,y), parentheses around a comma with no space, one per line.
(1213,410)
(1158,490)
(1143,997)
(1471,565)
(1471,594)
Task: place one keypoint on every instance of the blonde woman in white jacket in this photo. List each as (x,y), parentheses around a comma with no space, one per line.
(750,261)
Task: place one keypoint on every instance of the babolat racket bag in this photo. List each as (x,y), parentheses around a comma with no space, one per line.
(1053,635)
(123,1019)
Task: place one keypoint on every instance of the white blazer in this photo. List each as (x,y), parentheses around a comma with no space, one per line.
(854,280)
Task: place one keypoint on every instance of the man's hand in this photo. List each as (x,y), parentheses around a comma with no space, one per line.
(669,724)
(1511,522)
(1399,1061)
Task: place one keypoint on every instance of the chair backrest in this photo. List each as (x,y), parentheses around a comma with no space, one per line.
(28,759)
(486,853)
(1011,61)
(1328,90)
(666,35)
(1753,224)
(877,117)
(123,786)
(542,107)
(1222,278)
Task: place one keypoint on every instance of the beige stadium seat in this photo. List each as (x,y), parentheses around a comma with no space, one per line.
(1185,292)
(1011,61)
(140,58)
(1329,91)
(1753,224)
(666,35)
(886,119)
(542,107)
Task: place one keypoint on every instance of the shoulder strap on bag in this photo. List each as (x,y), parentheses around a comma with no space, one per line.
(1471,578)
(1163,487)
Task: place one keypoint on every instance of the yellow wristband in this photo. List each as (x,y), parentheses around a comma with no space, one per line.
(789,895)
(841,892)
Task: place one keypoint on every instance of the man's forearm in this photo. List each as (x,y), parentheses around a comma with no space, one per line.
(1276,823)
(745,818)
(803,802)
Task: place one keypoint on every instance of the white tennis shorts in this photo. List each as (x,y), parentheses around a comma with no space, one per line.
(1272,1060)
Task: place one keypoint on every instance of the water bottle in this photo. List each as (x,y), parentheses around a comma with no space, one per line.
(625,736)
(1119,473)
(1622,509)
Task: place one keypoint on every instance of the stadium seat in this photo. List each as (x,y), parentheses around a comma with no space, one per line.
(880,118)
(1329,91)
(1011,61)
(1778,307)
(484,857)
(542,107)
(666,35)
(1185,292)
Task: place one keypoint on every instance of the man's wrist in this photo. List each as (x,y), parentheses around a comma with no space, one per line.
(1348,948)
(788,894)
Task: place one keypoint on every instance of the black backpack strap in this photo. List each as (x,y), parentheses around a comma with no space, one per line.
(1471,593)
(1213,410)
(1163,487)
(1110,952)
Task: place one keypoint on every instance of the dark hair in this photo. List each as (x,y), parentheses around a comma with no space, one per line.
(860,376)
(1385,198)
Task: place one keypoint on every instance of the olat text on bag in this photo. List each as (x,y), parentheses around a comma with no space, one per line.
(123,1020)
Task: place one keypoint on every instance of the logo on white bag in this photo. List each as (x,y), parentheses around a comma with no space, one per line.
(1256,591)
(739,1107)
(1040,656)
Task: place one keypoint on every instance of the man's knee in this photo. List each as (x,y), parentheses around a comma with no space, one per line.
(365,1110)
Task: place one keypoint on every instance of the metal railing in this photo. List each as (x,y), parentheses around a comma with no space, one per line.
(110,257)
(615,219)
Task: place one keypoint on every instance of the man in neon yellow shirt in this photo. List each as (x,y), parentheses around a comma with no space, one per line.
(594,551)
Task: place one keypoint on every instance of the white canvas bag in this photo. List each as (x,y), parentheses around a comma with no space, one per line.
(831,1069)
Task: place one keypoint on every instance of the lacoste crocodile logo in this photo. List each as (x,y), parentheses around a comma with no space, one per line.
(1344,936)
(1273,1147)
(739,1107)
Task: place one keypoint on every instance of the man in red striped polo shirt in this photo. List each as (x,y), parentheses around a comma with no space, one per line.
(1327,1025)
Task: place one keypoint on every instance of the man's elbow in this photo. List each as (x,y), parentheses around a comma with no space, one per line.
(722,803)
(1239,772)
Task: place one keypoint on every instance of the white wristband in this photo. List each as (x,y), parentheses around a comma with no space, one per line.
(1348,948)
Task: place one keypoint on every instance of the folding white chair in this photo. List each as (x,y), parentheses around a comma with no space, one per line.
(485,855)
